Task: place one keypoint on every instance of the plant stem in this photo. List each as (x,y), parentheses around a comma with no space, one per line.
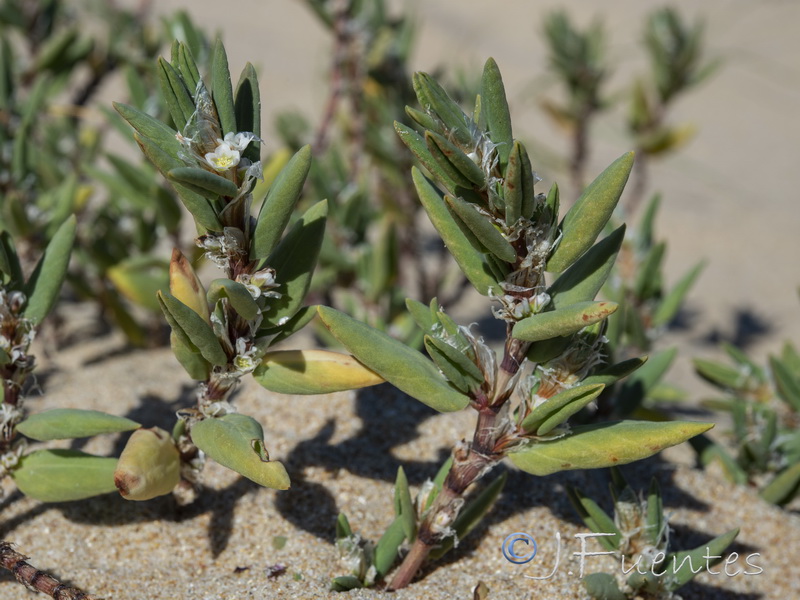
(31,577)
(470,463)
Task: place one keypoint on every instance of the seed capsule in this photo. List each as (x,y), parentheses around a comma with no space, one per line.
(149,465)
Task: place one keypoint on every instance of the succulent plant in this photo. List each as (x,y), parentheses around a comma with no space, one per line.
(638,536)
(505,238)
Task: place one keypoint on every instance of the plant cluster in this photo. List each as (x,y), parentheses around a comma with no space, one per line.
(638,536)
(764,404)
(505,238)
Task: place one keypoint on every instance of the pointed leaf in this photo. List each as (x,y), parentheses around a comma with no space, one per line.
(421,314)
(403,367)
(70,423)
(680,565)
(562,321)
(495,106)
(557,409)
(248,109)
(434,98)
(280,202)
(471,262)
(404,507)
(671,304)
(240,299)
(189,325)
(387,547)
(64,475)
(783,487)
(458,358)
(300,319)
(222,90)
(583,280)
(636,388)
(615,372)
(236,441)
(483,229)
(786,383)
(589,215)
(595,518)
(294,260)
(518,186)
(419,148)
(312,372)
(459,167)
(603,445)
(203,182)
(177,97)
(190,358)
(44,284)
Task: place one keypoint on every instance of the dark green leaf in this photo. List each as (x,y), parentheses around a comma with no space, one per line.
(192,329)
(45,283)
(484,230)
(203,182)
(495,106)
(221,89)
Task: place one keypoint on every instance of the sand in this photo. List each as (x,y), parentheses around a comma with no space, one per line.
(729,196)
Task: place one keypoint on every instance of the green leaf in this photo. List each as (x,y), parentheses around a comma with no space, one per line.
(589,215)
(139,278)
(562,321)
(419,148)
(671,304)
(45,283)
(404,507)
(603,445)
(403,367)
(603,586)
(64,475)
(433,98)
(190,358)
(786,383)
(192,329)
(10,262)
(615,372)
(583,280)
(719,374)
(248,109)
(472,514)
(457,358)
(636,388)
(152,130)
(421,314)
(495,106)
(203,182)
(69,423)
(483,229)
(557,409)
(345,583)
(783,487)
(280,202)
(300,319)
(387,547)
(459,167)
(312,372)
(518,186)
(595,518)
(203,213)
(684,572)
(236,441)
(470,261)
(648,278)
(294,260)
(655,513)
(240,299)
(221,89)
(343,529)
(176,95)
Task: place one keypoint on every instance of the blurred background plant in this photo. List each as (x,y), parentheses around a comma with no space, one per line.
(638,535)
(580,65)
(764,406)
(376,252)
(55,59)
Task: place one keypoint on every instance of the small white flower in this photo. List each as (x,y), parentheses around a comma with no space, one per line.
(240,141)
(224,157)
